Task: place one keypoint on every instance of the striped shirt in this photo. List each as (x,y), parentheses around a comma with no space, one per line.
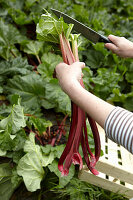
(119,127)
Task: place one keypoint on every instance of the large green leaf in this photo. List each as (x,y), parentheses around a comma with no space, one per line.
(30,146)
(53,93)
(29,87)
(19,16)
(49,62)
(30,166)
(10,126)
(14,66)
(6,186)
(57,150)
(15,119)
(40,124)
(62,180)
(33,47)
(9,36)
(105,82)
(49,29)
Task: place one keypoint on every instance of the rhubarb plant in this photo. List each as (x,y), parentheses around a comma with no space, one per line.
(56,31)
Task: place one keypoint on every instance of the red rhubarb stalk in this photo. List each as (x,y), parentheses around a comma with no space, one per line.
(78,124)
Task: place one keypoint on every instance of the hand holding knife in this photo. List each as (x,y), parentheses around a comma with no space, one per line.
(87,32)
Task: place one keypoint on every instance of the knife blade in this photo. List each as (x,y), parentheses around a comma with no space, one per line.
(87,32)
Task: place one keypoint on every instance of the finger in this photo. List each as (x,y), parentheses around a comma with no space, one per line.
(79,64)
(110,46)
(60,65)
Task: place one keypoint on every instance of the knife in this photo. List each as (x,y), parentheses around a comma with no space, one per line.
(87,32)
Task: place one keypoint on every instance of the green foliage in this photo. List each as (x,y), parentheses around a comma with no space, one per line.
(40,124)
(7,184)
(62,180)
(26,71)
(10,126)
(49,29)
(30,165)
(33,47)
(9,36)
(49,62)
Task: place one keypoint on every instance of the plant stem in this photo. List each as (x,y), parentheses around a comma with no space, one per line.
(63,48)
(69,53)
(40,195)
(75,49)
(38,59)
(13,53)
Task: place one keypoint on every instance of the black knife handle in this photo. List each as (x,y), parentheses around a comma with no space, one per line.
(104,39)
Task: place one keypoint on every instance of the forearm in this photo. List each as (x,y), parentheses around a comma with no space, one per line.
(94,106)
(117,122)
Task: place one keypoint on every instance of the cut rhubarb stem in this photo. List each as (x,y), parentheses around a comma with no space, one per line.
(70,137)
(70,56)
(96,138)
(78,124)
(93,170)
(63,48)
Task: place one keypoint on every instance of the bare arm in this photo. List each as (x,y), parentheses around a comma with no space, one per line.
(121,46)
(117,122)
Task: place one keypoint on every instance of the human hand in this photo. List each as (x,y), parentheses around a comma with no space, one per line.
(68,75)
(120,46)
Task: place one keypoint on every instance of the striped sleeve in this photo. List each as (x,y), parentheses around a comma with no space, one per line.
(119,127)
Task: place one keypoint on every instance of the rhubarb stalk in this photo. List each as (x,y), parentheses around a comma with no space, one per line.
(78,130)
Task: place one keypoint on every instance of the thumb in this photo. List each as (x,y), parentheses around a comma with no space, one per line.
(79,64)
(114,39)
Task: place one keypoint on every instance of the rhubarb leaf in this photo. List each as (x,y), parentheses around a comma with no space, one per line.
(48,29)
(53,93)
(33,47)
(30,146)
(15,66)
(62,180)
(20,17)
(9,36)
(30,165)
(57,150)
(40,124)
(6,186)
(47,159)
(30,88)
(30,168)
(10,126)
(105,82)
(49,62)
(16,119)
